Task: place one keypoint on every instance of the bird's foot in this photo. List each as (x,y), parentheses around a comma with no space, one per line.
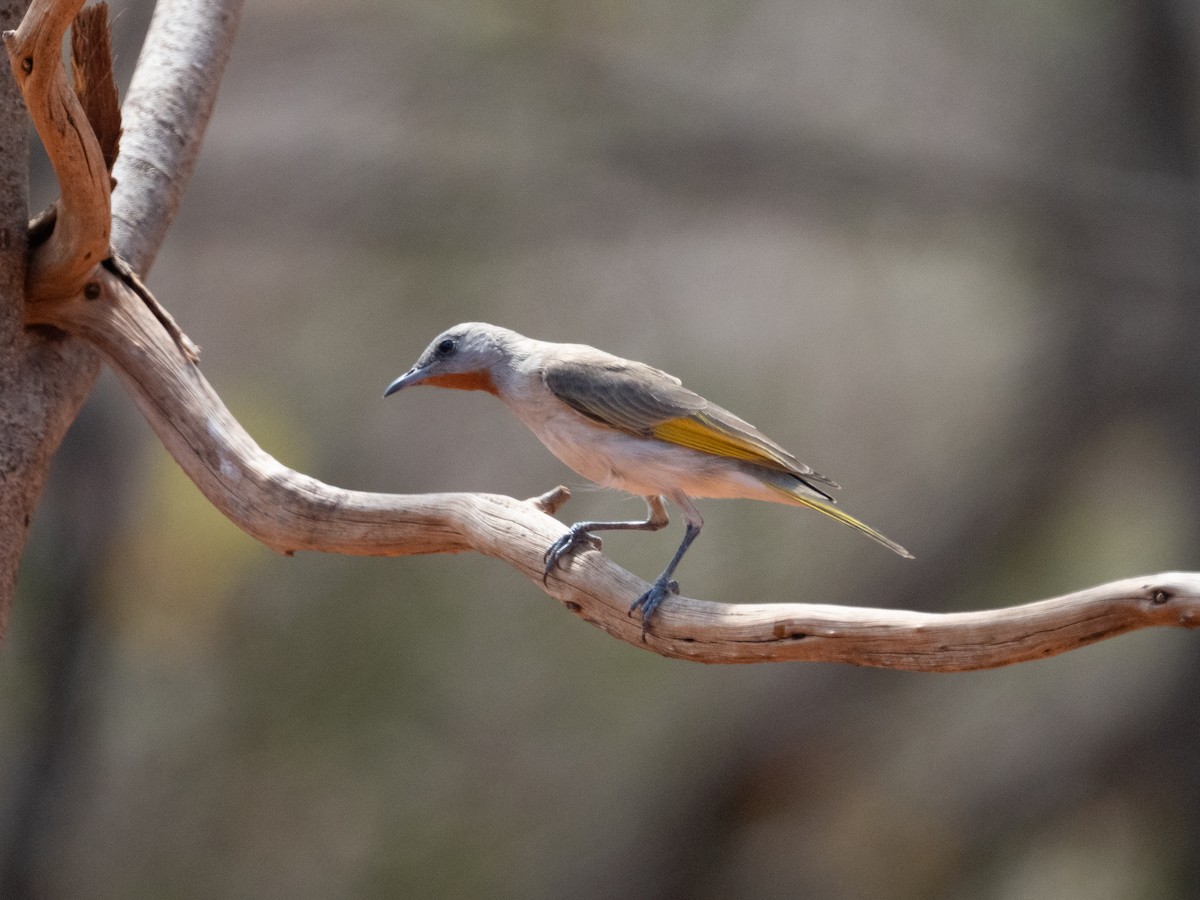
(570,542)
(650,600)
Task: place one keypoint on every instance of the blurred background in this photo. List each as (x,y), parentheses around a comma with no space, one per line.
(945,251)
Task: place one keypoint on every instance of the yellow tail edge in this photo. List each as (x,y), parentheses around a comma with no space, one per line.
(845,518)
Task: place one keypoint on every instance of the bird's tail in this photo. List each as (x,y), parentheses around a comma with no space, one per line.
(799,493)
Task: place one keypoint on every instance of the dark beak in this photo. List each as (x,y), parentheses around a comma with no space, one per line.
(411,377)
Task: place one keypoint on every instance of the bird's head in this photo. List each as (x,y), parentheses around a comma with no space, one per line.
(466,357)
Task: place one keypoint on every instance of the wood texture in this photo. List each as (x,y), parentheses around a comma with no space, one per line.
(44,376)
(166,111)
(93,80)
(60,265)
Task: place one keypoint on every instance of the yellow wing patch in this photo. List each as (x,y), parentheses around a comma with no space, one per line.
(697,434)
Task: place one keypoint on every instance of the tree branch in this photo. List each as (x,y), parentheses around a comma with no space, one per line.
(46,378)
(166,111)
(79,241)
(111,309)
(290,511)
(94,82)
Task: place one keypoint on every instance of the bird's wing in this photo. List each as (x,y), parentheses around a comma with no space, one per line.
(646,402)
(718,431)
(629,396)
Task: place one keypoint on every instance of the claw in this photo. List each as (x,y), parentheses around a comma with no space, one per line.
(565,545)
(649,601)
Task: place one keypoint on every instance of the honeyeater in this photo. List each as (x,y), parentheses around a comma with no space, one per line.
(628,426)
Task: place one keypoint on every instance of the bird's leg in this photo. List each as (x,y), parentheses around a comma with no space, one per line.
(581,533)
(664,584)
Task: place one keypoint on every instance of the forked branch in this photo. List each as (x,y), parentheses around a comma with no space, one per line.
(290,511)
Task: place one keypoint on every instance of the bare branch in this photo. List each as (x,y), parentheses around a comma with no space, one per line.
(110,308)
(94,80)
(79,240)
(166,111)
(290,511)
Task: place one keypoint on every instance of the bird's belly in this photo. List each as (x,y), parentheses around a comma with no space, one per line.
(646,466)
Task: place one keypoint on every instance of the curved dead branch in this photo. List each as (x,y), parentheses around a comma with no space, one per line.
(109,308)
(290,511)
(59,266)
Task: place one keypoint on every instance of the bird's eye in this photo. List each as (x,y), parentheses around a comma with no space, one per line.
(446,347)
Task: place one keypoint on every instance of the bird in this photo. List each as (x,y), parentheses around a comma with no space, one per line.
(629,426)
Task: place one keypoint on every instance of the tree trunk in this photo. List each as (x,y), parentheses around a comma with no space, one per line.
(44,374)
